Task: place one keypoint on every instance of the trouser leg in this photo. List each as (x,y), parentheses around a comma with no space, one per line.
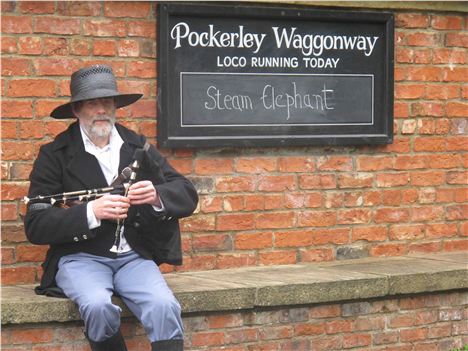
(142,287)
(168,345)
(88,283)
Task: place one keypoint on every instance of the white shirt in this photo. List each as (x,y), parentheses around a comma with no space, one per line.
(108,158)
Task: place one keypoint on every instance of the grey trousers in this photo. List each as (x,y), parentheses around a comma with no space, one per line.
(90,281)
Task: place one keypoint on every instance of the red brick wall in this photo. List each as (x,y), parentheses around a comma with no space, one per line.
(421,323)
(257,206)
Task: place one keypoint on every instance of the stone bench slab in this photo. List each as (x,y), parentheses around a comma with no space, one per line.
(268,286)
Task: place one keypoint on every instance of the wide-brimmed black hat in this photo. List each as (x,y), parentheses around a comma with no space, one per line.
(93,82)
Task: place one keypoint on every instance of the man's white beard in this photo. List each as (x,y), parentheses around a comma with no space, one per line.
(101,131)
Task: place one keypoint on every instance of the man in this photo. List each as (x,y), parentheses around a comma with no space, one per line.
(90,257)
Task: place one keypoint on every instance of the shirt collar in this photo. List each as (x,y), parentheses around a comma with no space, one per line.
(114,140)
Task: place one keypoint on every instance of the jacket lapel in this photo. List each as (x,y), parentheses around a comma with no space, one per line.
(82,165)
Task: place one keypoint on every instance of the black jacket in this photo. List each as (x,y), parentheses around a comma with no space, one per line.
(63,165)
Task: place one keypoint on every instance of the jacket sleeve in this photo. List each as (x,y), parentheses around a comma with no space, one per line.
(46,224)
(176,192)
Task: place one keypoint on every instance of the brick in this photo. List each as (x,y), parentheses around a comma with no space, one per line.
(391,215)
(301,200)
(275,220)
(79,8)
(448,56)
(9,130)
(432,109)
(16,24)
(457,212)
(457,143)
(33,7)
(17,150)
(455,245)
(407,335)
(392,179)
(305,329)
(104,48)
(16,66)
(55,47)
(79,47)
(373,233)
(14,190)
(316,255)
(145,29)
(213,166)
(296,164)
(356,340)
(56,66)
(338,326)
(429,213)
(104,28)
(255,165)
(411,20)
(31,130)
(294,238)
(422,39)
(426,74)
(8,255)
(373,163)
(125,9)
(457,178)
(404,162)
(430,178)
(227,260)
(233,203)
(446,22)
(276,183)
(334,163)
(354,216)
(355,180)
(235,184)
(430,144)
(406,232)
(277,257)
(140,69)
(31,88)
(198,223)
(316,218)
(211,242)
(325,181)
(390,337)
(330,236)
(208,339)
(388,250)
(456,39)
(52,25)
(18,275)
(457,109)
(142,109)
(251,241)
(8,44)
(30,253)
(445,161)
(235,222)
(128,48)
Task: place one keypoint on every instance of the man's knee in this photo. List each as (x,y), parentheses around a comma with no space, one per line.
(100,308)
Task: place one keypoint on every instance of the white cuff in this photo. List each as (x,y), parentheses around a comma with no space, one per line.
(93,222)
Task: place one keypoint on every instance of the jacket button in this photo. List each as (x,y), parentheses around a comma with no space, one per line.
(85,236)
(76,238)
(136,225)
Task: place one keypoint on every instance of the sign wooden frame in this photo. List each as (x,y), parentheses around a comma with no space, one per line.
(243,76)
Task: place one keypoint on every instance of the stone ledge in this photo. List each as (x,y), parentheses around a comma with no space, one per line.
(249,287)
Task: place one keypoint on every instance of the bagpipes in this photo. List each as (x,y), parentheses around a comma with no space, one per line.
(120,186)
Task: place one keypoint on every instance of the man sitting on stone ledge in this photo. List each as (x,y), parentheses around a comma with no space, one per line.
(114,243)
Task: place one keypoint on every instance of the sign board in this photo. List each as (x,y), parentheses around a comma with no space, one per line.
(240,76)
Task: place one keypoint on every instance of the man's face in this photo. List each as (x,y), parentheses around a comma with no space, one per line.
(97,116)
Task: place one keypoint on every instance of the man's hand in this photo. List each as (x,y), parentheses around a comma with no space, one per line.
(111,207)
(143,192)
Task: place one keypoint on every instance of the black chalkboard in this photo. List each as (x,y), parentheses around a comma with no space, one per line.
(238,75)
